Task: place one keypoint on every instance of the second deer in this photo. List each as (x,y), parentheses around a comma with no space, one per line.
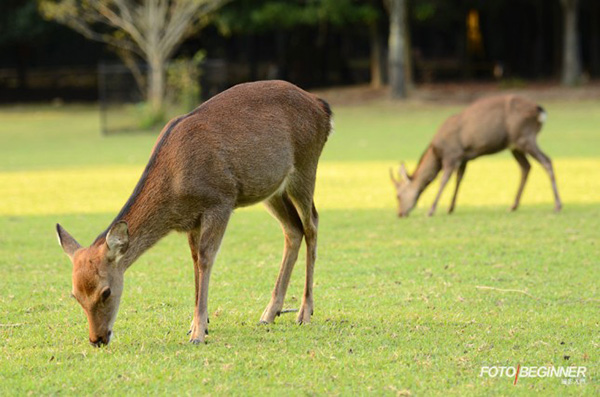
(488,126)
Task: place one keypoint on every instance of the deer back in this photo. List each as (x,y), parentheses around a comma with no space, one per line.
(243,143)
(487,126)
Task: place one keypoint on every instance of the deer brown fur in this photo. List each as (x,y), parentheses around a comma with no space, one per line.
(487,126)
(254,142)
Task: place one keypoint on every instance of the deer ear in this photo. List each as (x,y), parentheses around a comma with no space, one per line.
(393,178)
(68,243)
(117,239)
(403,172)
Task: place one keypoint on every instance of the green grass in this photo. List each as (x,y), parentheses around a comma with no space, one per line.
(397,308)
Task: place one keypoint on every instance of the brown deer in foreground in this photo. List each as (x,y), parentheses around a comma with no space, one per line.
(487,126)
(254,142)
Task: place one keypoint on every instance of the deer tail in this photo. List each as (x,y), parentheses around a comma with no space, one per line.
(327,109)
(542,115)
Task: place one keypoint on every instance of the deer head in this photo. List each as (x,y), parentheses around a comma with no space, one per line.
(406,191)
(98,278)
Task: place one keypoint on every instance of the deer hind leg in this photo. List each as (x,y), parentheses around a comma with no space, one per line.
(302,197)
(533,149)
(212,229)
(448,170)
(525,167)
(459,175)
(284,211)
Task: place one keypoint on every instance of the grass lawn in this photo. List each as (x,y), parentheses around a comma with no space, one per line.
(399,303)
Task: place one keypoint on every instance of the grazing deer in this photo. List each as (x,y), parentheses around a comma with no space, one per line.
(487,126)
(254,142)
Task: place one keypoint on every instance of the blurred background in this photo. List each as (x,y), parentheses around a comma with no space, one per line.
(164,57)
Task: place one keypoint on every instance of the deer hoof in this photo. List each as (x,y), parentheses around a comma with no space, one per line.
(304,315)
(269,314)
(197,333)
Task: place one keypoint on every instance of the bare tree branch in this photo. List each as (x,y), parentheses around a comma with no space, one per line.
(130,61)
(117,21)
(152,29)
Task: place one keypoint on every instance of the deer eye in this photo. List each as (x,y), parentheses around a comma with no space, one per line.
(105,294)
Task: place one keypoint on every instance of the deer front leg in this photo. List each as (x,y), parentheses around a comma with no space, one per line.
(525,167)
(445,178)
(212,229)
(545,161)
(459,176)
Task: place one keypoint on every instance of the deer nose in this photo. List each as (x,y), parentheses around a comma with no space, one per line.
(100,341)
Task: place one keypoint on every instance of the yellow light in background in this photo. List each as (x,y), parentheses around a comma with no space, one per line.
(474,39)
(490,181)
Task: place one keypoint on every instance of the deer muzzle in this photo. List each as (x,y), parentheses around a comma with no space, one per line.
(101,340)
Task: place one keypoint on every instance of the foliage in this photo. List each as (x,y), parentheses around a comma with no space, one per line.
(183,81)
(20,21)
(148,118)
(512,83)
(443,13)
(266,15)
(424,10)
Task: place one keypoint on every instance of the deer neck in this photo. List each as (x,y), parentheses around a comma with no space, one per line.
(146,228)
(146,213)
(427,169)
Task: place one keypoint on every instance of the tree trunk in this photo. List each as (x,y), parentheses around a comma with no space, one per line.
(397,48)
(156,88)
(594,39)
(571,64)
(408,71)
(376,56)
